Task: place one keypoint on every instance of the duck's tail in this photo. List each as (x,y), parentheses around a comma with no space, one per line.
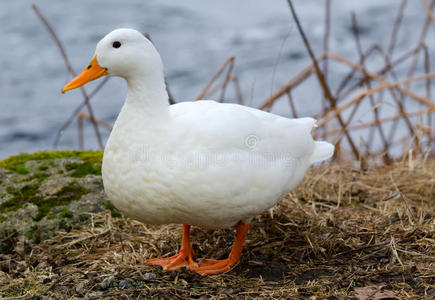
(322,151)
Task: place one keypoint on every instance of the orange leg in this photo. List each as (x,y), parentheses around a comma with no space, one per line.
(213,266)
(182,259)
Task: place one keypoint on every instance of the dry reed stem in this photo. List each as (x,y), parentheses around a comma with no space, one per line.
(396,27)
(288,86)
(71,70)
(390,85)
(325,88)
(364,94)
(227,79)
(429,11)
(103,124)
(376,122)
(326,36)
(203,93)
(387,158)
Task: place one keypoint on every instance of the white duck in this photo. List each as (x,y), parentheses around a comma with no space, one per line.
(197,163)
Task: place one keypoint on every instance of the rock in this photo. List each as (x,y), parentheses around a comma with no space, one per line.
(63,289)
(81,288)
(94,295)
(123,284)
(149,276)
(107,282)
(53,188)
(228,291)
(47,192)
(19,246)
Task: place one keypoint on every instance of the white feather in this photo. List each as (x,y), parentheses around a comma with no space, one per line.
(200,163)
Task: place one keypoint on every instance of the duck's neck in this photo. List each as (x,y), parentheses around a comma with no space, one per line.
(147,95)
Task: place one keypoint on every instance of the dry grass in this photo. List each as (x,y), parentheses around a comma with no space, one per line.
(340,231)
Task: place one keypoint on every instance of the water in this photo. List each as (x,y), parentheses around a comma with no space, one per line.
(194,38)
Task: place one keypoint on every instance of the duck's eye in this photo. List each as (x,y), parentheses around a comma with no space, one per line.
(116,44)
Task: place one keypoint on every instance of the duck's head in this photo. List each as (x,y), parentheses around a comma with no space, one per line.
(123,52)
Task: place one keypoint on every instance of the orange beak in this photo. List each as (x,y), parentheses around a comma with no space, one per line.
(91,72)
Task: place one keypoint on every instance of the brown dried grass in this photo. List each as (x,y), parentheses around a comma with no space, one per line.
(342,229)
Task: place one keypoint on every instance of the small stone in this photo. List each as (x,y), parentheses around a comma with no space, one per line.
(149,276)
(20,247)
(137,284)
(42,266)
(80,288)
(123,284)
(53,188)
(95,294)
(63,289)
(107,282)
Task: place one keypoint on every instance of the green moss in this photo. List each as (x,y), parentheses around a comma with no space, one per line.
(40,176)
(51,216)
(113,211)
(21,170)
(34,234)
(30,194)
(65,196)
(2,218)
(64,225)
(42,167)
(66,213)
(83,169)
(16,163)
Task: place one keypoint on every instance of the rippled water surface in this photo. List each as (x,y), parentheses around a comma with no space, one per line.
(194,38)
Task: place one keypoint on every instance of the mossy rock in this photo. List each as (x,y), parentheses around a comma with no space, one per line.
(47,192)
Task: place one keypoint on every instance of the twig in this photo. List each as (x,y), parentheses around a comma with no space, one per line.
(384,70)
(203,93)
(226,81)
(238,90)
(387,159)
(292,104)
(80,132)
(396,27)
(377,122)
(76,112)
(326,49)
(390,85)
(275,65)
(84,116)
(428,94)
(321,78)
(70,69)
(429,11)
(382,86)
(288,86)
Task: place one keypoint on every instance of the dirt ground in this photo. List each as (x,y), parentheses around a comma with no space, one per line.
(342,234)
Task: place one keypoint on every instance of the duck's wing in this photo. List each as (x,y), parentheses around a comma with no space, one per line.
(227,127)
